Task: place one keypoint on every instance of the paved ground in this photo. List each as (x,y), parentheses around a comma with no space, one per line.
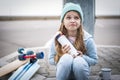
(109,57)
(15,34)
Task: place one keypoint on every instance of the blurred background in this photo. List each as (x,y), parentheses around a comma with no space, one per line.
(31,23)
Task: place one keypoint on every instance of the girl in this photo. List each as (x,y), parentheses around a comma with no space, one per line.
(69,66)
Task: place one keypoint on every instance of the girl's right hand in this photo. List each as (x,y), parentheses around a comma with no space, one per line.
(65,49)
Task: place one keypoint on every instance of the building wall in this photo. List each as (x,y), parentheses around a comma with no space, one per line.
(48,7)
(107,8)
(30,7)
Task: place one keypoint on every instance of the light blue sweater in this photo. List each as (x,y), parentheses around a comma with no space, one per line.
(90,56)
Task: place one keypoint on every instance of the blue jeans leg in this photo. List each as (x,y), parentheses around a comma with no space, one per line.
(81,69)
(64,67)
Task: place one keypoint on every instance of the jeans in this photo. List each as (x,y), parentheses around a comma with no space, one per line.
(69,68)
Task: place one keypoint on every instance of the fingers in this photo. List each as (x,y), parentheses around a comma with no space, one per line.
(66,48)
(80,53)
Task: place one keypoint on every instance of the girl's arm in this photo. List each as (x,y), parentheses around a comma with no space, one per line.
(52,53)
(91,55)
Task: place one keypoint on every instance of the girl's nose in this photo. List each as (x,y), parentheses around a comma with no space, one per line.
(72,20)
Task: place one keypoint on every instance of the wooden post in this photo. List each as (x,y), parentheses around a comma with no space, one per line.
(88,8)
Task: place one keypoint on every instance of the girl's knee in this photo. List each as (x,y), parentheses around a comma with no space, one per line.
(81,69)
(64,67)
(66,60)
(80,64)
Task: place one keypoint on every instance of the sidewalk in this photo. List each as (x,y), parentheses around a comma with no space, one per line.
(109,57)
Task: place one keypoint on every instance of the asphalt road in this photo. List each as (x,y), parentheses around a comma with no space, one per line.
(15,34)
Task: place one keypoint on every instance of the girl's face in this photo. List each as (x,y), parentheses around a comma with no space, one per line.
(72,21)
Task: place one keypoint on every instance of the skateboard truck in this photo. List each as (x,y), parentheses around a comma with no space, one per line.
(39,55)
(33,57)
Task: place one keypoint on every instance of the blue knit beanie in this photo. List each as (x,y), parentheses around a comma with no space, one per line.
(71,7)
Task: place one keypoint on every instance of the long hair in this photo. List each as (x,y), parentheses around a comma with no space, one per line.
(78,44)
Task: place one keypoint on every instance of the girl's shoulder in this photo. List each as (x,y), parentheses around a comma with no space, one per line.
(87,35)
(49,42)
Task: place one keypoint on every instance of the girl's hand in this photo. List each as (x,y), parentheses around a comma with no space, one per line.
(80,53)
(65,49)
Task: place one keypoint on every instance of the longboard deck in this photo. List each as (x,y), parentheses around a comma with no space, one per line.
(25,72)
(11,67)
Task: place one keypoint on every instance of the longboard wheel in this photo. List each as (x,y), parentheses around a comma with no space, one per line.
(21,57)
(20,50)
(40,55)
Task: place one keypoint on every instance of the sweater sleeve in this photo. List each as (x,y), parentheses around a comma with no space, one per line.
(51,53)
(91,55)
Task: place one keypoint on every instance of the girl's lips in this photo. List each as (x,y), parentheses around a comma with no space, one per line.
(72,25)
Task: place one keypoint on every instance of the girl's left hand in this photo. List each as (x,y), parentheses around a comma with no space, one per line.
(80,53)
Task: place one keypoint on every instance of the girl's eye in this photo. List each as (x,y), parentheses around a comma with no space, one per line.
(68,17)
(76,17)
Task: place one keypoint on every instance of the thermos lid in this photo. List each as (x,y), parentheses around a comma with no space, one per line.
(106,69)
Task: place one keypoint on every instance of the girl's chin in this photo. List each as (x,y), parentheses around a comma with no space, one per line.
(72,29)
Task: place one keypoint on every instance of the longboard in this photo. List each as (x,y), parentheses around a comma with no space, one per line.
(30,67)
(25,72)
(11,67)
